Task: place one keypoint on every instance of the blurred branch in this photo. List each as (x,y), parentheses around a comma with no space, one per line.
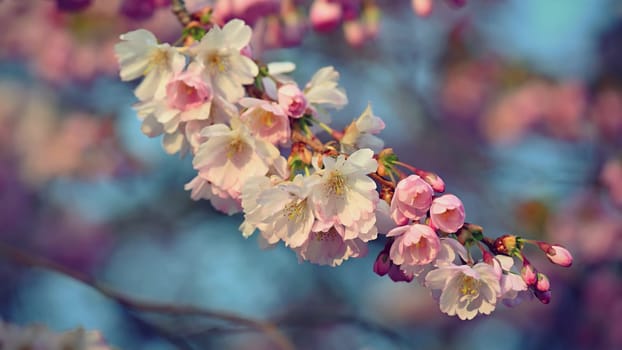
(179,9)
(313,319)
(18,256)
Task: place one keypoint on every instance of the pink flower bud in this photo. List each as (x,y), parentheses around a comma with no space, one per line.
(434,180)
(382,265)
(544,297)
(447,213)
(325,16)
(557,254)
(354,33)
(422,8)
(543,283)
(411,200)
(292,100)
(528,273)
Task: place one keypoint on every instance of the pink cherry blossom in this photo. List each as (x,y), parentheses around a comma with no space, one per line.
(266,120)
(611,176)
(414,245)
(328,248)
(447,213)
(422,8)
(200,188)
(187,91)
(412,199)
(292,100)
(325,15)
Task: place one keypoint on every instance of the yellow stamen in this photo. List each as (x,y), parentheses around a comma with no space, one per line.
(217,62)
(470,286)
(294,210)
(336,184)
(235,146)
(158,58)
(266,118)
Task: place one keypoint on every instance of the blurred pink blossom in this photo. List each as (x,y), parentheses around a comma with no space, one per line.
(611,177)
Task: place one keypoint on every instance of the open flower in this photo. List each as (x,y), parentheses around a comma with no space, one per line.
(140,54)
(230,156)
(465,290)
(188,97)
(292,100)
(323,91)
(266,120)
(412,199)
(360,133)
(329,248)
(414,245)
(200,188)
(285,211)
(447,213)
(219,55)
(345,195)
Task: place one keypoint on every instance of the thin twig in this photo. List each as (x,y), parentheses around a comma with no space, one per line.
(21,257)
(179,9)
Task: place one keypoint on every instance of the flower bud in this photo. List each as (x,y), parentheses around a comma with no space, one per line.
(397,275)
(556,254)
(354,32)
(434,180)
(528,273)
(542,284)
(382,265)
(447,213)
(544,297)
(507,245)
(422,8)
(325,16)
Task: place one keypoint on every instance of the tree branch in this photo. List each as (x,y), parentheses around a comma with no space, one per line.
(18,256)
(179,10)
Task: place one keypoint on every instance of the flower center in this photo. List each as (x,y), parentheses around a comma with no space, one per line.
(266,118)
(422,244)
(235,146)
(470,286)
(217,63)
(331,235)
(336,184)
(294,210)
(158,58)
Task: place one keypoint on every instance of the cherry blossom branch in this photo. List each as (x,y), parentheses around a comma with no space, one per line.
(18,256)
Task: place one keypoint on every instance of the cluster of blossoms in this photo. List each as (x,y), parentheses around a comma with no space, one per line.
(240,119)
(13,337)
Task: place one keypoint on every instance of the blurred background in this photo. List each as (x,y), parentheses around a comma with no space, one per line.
(517,104)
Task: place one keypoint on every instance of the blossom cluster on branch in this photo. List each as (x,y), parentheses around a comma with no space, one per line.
(262,145)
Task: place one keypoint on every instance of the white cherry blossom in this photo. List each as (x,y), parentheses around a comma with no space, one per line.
(139,54)
(218,53)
